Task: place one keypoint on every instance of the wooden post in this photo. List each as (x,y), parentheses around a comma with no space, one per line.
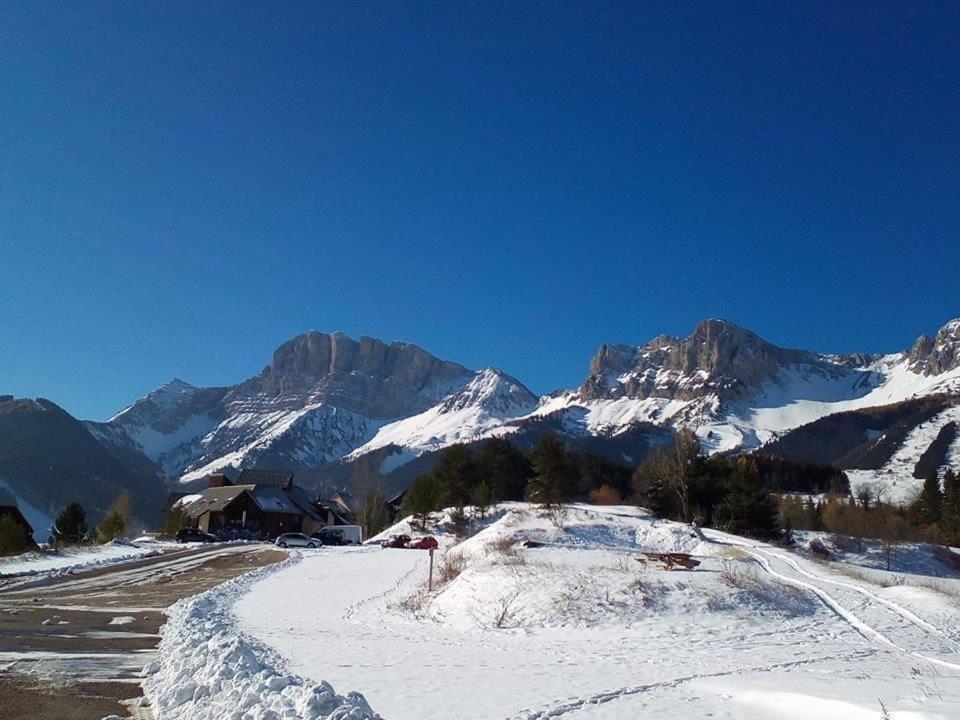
(430,581)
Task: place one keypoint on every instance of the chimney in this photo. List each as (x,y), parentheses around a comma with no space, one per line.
(219,480)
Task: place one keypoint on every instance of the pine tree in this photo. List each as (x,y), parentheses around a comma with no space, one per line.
(175,518)
(71,525)
(481,499)
(13,536)
(117,519)
(457,475)
(422,499)
(930,502)
(504,468)
(950,508)
(556,476)
(748,508)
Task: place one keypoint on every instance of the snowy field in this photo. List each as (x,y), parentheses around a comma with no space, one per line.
(574,627)
(74,559)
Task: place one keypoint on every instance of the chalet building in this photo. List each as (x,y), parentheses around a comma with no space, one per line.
(342,508)
(265,501)
(13,512)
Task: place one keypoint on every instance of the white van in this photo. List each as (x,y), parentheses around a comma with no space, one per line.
(353,534)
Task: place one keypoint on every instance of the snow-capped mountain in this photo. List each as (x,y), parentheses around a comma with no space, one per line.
(739,391)
(321,396)
(325,398)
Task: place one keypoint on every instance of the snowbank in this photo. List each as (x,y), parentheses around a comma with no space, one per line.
(207,669)
(70,560)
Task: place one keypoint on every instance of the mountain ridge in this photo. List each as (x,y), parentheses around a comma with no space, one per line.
(325,398)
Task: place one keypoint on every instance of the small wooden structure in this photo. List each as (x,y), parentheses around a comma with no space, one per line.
(671,561)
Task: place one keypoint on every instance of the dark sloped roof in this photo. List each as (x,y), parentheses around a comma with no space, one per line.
(216,499)
(302,500)
(275,478)
(274,499)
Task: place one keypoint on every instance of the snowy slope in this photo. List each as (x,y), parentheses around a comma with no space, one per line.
(482,405)
(577,628)
(895,481)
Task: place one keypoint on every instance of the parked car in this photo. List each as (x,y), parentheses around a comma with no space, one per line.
(330,536)
(425,543)
(194,535)
(296,540)
(397,541)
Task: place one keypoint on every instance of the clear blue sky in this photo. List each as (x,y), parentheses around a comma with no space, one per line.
(183,186)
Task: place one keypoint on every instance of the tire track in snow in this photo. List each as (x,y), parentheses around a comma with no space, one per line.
(868,631)
(898,609)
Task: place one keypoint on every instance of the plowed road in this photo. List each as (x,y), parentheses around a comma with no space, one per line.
(72,646)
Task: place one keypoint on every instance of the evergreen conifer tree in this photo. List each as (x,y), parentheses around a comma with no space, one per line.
(950,508)
(930,502)
(71,525)
(556,476)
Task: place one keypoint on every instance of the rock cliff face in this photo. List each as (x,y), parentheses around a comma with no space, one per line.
(321,396)
(719,357)
(939,355)
(366,376)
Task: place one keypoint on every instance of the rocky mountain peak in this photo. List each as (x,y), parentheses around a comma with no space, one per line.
(313,355)
(718,357)
(933,356)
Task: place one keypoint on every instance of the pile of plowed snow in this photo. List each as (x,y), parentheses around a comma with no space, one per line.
(209,670)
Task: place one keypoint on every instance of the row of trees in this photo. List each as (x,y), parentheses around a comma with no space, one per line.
(549,474)
(737,494)
(936,510)
(732,494)
(933,516)
(71,527)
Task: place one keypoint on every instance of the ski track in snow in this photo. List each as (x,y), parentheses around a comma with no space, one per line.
(763,557)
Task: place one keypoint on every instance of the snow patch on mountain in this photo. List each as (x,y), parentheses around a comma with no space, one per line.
(482,405)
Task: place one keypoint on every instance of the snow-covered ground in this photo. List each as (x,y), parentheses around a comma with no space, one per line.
(574,627)
(76,558)
(208,670)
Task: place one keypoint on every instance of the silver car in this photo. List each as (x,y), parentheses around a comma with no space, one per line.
(296,540)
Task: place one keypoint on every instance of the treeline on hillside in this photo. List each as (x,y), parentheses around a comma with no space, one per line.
(934,516)
(799,476)
(936,453)
(676,482)
(499,472)
(729,493)
(865,438)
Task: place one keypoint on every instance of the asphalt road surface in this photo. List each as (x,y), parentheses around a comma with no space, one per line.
(72,646)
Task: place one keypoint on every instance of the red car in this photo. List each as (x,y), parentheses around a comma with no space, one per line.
(397,541)
(424,543)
